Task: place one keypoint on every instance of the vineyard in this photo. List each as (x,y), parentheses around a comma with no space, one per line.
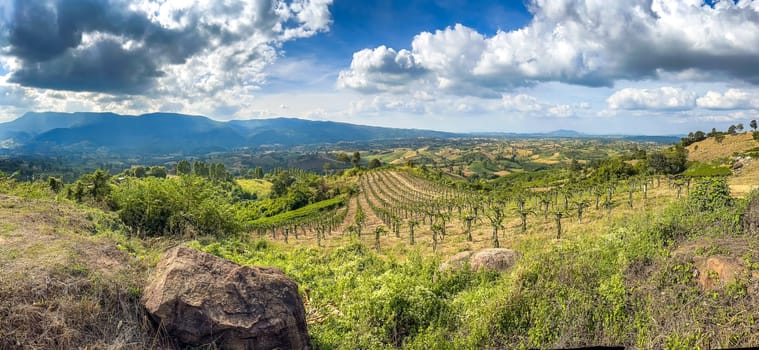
(394,209)
(615,251)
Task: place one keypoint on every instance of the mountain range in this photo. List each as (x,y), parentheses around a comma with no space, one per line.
(165,133)
(158,133)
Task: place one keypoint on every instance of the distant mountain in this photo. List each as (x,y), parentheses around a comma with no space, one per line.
(562,133)
(161,133)
(292,131)
(566,133)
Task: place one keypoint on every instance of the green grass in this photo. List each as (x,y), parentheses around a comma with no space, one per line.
(261,188)
(698,169)
(625,287)
(387,158)
(300,213)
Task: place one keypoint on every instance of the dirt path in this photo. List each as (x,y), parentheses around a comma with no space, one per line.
(372,220)
(348,220)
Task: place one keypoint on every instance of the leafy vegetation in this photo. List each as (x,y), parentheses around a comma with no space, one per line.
(698,169)
(186,205)
(611,237)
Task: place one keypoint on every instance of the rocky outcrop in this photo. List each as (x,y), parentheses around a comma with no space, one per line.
(715,272)
(739,163)
(492,259)
(495,259)
(201,299)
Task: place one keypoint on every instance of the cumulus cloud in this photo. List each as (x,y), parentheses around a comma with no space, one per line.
(730,99)
(380,69)
(522,103)
(586,42)
(151,46)
(663,98)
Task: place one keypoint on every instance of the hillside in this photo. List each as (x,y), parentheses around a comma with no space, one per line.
(66,282)
(163,133)
(709,149)
(745,178)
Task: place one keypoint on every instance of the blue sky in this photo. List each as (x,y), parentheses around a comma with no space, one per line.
(626,67)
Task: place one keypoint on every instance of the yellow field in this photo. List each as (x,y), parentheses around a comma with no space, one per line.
(710,149)
(261,188)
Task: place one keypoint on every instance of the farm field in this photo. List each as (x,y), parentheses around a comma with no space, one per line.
(600,250)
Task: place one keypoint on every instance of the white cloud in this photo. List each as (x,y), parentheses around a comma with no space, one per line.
(380,69)
(730,99)
(560,111)
(522,103)
(208,57)
(663,98)
(586,42)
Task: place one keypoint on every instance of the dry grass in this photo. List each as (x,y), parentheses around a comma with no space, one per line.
(62,288)
(745,180)
(709,149)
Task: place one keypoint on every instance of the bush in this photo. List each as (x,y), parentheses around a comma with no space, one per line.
(710,194)
(176,206)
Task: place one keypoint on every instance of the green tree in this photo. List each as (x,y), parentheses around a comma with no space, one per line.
(139,171)
(259,172)
(100,185)
(752,124)
(280,183)
(56,184)
(183,167)
(375,163)
(670,161)
(356,159)
(218,172)
(157,171)
(174,206)
(96,185)
(343,157)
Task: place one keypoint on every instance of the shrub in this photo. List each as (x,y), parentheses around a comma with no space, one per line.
(710,194)
(176,206)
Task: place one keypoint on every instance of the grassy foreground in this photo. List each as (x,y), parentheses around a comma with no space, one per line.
(633,285)
(71,277)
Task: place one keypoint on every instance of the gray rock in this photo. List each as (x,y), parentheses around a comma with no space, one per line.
(495,259)
(201,299)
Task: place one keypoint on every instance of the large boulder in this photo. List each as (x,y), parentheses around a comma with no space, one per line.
(495,259)
(201,299)
(491,259)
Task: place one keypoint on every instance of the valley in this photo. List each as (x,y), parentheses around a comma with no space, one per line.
(607,242)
